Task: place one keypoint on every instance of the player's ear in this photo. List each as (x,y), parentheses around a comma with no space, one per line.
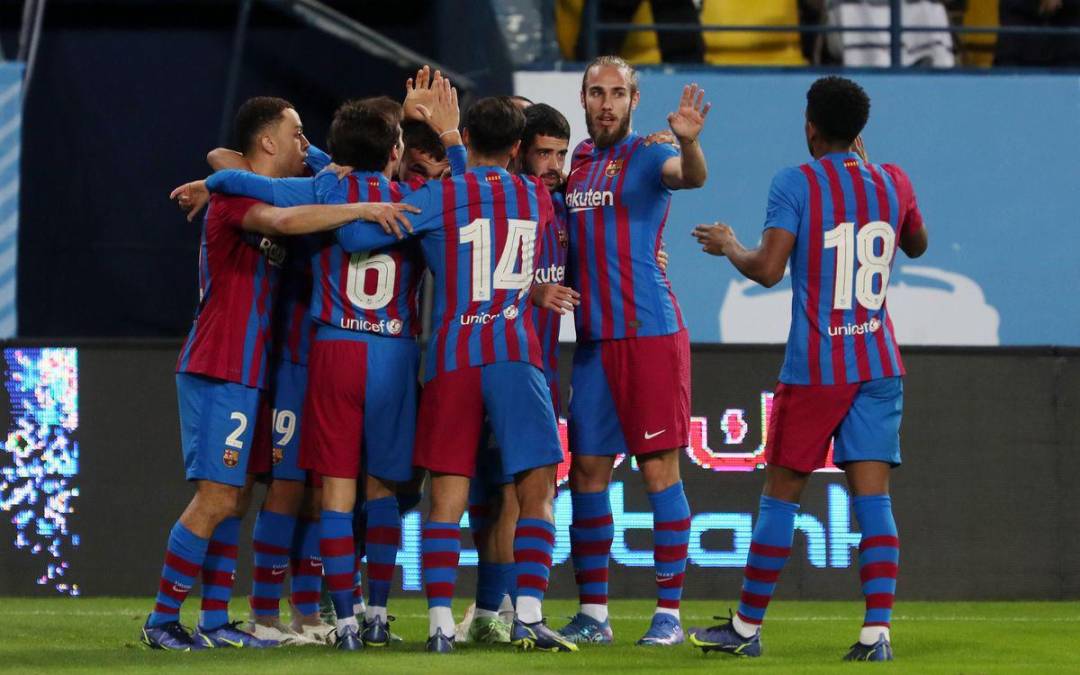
(634,98)
(514,149)
(465,136)
(583,98)
(266,142)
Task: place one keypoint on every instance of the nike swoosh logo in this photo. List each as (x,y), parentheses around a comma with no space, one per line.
(277,572)
(649,436)
(582,208)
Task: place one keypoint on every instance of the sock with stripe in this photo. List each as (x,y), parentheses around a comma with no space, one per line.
(381,546)
(271,540)
(339,562)
(671,539)
(441,548)
(879,561)
(770,547)
(184,556)
(218,574)
(306,568)
(591,533)
(534,542)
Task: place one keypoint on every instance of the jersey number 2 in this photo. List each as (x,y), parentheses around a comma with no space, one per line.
(520,245)
(848,247)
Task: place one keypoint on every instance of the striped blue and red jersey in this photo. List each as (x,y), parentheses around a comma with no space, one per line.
(480,234)
(292,325)
(551,269)
(368,291)
(617,206)
(847,217)
(238,278)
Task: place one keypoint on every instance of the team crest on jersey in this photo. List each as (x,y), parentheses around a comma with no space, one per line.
(230,458)
(394,326)
(277,455)
(613,168)
(564,238)
(510,312)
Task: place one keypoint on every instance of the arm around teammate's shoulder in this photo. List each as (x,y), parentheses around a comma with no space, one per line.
(294,220)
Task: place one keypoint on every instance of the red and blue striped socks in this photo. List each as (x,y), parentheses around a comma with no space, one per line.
(441,548)
(671,539)
(271,541)
(591,533)
(306,568)
(339,562)
(218,574)
(534,542)
(770,547)
(183,559)
(879,560)
(381,546)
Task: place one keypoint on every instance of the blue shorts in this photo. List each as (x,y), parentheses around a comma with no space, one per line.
(863,418)
(289,385)
(217,427)
(361,408)
(517,403)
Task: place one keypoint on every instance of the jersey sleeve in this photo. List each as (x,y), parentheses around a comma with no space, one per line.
(911,217)
(276,191)
(316,159)
(230,210)
(653,158)
(364,235)
(459,159)
(786,197)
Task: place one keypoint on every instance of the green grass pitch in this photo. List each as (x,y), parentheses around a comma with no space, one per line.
(101,634)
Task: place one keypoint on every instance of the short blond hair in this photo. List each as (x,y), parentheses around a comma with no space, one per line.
(615,62)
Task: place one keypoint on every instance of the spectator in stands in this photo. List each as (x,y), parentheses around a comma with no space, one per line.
(1038,50)
(675,46)
(871,48)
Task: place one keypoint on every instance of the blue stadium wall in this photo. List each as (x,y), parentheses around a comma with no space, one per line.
(91,477)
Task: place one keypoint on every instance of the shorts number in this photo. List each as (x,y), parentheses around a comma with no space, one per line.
(520,245)
(284,424)
(385,271)
(233,439)
(871,264)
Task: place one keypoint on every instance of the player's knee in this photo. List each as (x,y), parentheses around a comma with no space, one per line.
(217,502)
(659,470)
(284,497)
(587,475)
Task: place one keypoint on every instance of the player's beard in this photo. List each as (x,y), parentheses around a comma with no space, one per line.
(602,139)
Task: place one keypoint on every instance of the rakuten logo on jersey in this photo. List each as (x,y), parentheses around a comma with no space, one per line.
(391,327)
(584,200)
(871,326)
(555,274)
(509,313)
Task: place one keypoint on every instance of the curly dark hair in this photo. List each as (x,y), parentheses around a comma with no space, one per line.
(838,107)
(543,120)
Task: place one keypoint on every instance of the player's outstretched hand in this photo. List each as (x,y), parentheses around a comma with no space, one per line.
(662,258)
(686,122)
(714,239)
(339,170)
(859,147)
(660,137)
(418,92)
(441,113)
(390,216)
(191,198)
(557,298)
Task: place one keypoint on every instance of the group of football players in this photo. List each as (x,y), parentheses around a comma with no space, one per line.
(303,370)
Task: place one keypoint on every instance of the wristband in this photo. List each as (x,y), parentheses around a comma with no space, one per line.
(448,131)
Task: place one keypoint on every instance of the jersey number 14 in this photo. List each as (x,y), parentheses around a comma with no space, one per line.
(520,244)
(849,247)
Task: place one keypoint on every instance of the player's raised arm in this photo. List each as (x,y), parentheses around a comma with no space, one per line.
(914,238)
(688,170)
(275,191)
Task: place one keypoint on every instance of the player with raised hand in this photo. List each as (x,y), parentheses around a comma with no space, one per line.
(839,220)
(222,370)
(631,378)
(479,234)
